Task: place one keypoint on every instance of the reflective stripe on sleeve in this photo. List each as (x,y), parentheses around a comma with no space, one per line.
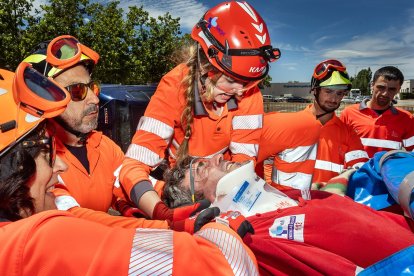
(117,184)
(65,202)
(232,249)
(156,127)
(152,252)
(248,122)
(297,180)
(355,154)
(299,154)
(408,142)
(328,166)
(143,155)
(247,149)
(380,143)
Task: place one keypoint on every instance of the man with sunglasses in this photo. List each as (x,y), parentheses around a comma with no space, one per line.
(328,235)
(339,148)
(380,125)
(36,239)
(93,158)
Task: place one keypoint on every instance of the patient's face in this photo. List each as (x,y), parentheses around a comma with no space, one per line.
(207,173)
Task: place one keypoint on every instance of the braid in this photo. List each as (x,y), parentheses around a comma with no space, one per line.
(196,59)
(187,114)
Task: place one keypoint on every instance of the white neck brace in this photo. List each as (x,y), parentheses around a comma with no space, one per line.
(242,190)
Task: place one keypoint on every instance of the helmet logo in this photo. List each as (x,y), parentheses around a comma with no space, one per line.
(256,69)
(212,22)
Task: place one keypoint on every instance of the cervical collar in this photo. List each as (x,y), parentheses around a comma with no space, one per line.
(242,190)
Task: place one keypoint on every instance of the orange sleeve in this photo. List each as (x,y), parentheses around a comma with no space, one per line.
(46,243)
(356,153)
(117,221)
(155,130)
(247,127)
(101,217)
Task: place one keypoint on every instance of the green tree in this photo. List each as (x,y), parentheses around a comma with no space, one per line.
(362,81)
(106,34)
(14,41)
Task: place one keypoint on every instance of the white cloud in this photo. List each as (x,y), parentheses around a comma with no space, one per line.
(189,11)
(389,47)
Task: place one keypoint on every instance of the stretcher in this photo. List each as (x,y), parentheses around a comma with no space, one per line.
(385,180)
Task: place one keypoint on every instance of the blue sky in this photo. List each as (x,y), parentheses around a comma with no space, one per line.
(360,33)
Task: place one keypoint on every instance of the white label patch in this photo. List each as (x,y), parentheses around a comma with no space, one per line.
(289,227)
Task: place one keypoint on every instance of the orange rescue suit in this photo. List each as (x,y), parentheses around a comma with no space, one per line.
(94,190)
(393,129)
(339,148)
(236,132)
(53,242)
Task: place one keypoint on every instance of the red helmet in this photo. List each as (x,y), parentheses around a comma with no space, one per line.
(235,39)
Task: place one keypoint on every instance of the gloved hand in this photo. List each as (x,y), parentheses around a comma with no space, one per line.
(237,222)
(128,210)
(193,224)
(162,212)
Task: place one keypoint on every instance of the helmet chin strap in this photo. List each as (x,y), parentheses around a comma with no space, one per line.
(316,95)
(82,136)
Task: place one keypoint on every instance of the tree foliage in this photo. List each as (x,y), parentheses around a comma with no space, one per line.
(134,47)
(14,39)
(362,81)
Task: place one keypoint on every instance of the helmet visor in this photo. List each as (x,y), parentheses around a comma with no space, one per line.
(322,69)
(65,51)
(37,94)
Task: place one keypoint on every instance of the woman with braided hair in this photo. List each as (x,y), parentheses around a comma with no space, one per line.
(207,105)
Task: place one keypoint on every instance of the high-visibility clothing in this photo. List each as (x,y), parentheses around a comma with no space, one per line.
(339,148)
(328,235)
(291,138)
(97,189)
(53,242)
(393,129)
(235,132)
(65,202)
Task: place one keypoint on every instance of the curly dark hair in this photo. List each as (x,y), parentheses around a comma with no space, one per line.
(16,168)
(174,193)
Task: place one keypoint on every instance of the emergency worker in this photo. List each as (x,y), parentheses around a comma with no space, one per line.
(328,235)
(90,183)
(339,147)
(39,241)
(92,157)
(210,104)
(287,150)
(380,125)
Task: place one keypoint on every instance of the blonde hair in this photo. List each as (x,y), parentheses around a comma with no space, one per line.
(197,63)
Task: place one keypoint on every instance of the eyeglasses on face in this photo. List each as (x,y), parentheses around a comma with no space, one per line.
(79,91)
(48,143)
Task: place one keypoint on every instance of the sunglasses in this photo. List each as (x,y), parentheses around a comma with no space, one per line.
(323,68)
(49,143)
(78,91)
(38,95)
(65,51)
